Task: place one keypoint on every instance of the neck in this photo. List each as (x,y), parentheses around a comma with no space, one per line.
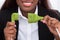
(26,13)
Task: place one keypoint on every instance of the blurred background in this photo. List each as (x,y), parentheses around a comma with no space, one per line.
(54,4)
(1,3)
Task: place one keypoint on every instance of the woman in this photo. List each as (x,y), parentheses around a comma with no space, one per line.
(43,30)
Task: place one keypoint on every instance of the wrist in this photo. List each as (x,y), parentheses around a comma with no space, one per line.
(7,38)
(57,38)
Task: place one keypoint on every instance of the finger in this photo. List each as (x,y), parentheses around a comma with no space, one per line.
(51,25)
(53,30)
(45,19)
(53,22)
(58,26)
(10,28)
(12,32)
(10,24)
(49,22)
(11,36)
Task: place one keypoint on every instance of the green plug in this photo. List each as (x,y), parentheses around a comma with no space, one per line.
(14,17)
(32,18)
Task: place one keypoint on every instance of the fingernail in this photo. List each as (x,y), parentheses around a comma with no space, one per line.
(14,25)
(44,21)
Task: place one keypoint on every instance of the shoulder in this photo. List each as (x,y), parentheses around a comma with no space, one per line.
(54,13)
(7,12)
(4,12)
(5,15)
(51,12)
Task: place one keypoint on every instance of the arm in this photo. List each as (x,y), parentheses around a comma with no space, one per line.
(52,23)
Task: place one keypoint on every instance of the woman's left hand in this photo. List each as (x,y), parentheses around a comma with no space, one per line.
(52,24)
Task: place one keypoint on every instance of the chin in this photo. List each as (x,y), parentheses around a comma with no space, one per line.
(27,10)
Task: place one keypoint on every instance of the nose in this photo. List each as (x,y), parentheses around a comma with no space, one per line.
(27,0)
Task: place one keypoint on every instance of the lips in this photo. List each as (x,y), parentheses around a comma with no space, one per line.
(27,4)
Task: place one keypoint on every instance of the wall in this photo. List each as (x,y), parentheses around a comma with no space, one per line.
(55,4)
(1,3)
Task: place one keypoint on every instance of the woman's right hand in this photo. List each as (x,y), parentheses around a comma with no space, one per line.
(10,31)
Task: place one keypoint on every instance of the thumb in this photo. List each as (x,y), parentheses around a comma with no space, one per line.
(43,21)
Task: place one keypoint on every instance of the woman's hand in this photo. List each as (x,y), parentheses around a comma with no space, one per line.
(52,24)
(10,31)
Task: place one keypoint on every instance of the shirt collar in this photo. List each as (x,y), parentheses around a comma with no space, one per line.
(19,12)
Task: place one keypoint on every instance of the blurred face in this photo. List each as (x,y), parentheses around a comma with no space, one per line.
(27,5)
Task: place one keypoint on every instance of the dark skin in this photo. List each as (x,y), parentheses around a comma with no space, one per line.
(27,9)
(26,13)
(52,23)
